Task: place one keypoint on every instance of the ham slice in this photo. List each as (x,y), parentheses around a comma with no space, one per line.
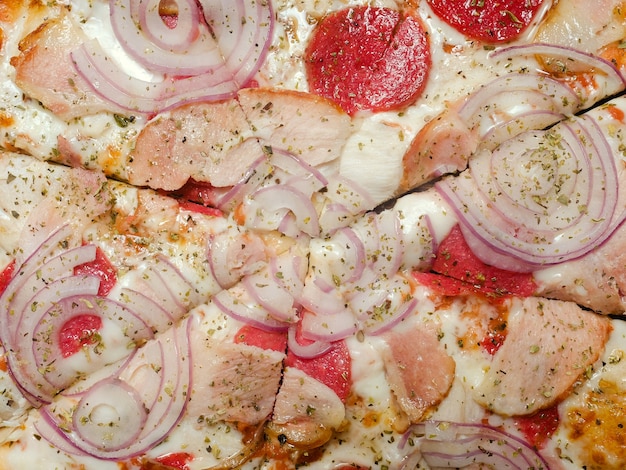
(218,143)
(210,142)
(233,382)
(548,348)
(306,411)
(45,72)
(419,371)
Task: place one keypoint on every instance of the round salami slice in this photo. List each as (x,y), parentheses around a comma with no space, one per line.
(367,58)
(489,21)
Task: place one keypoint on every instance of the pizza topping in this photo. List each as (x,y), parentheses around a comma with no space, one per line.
(102,268)
(231,143)
(541,198)
(489,21)
(539,85)
(272,340)
(540,426)
(419,371)
(306,410)
(535,367)
(332,367)
(459,445)
(233,381)
(178,460)
(6,275)
(130,411)
(369,58)
(77,332)
(455,259)
(209,54)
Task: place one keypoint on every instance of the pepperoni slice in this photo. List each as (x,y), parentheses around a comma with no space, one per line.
(367,58)
(455,259)
(331,368)
(101,267)
(77,332)
(540,426)
(270,340)
(487,20)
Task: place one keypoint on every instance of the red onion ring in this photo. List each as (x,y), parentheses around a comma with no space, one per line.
(457,445)
(208,55)
(551,216)
(574,60)
(254,176)
(328,328)
(306,351)
(266,208)
(151,391)
(267,292)
(60,372)
(237,303)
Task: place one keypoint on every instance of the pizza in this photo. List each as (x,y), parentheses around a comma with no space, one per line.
(312,234)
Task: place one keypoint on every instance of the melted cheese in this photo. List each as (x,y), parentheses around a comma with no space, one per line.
(373,433)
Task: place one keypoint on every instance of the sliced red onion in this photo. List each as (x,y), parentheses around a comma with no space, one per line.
(387,258)
(243,31)
(177,38)
(566,59)
(306,351)
(237,303)
(293,171)
(266,290)
(158,282)
(22,362)
(178,284)
(556,95)
(233,254)
(542,198)
(318,298)
(296,166)
(111,416)
(197,54)
(288,271)
(151,311)
(46,352)
(534,119)
(210,53)
(251,181)
(346,199)
(141,405)
(266,208)
(133,94)
(328,328)
(38,248)
(383,303)
(457,445)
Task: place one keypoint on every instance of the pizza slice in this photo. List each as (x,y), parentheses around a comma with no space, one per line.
(93,268)
(207,144)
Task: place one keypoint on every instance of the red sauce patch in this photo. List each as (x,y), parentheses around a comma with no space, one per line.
(455,259)
(78,332)
(331,368)
(200,209)
(539,427)
(252,336)
(175,460)
(101,267)
(368,58)
(487,20)
(6,275)
(196,191)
